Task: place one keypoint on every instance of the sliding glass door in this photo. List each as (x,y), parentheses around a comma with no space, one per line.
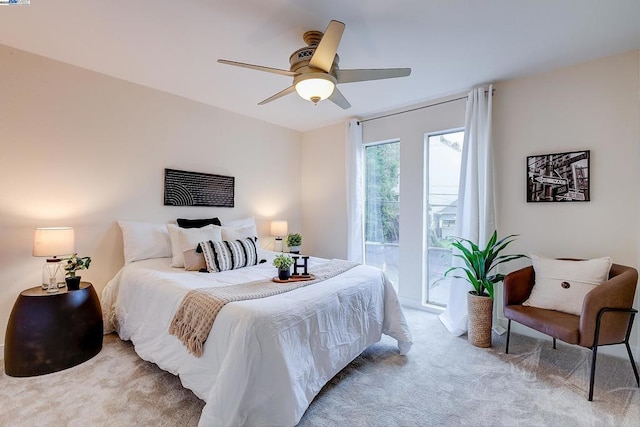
(382,206)
(443,157)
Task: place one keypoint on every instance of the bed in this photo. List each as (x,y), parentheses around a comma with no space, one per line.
(265,359)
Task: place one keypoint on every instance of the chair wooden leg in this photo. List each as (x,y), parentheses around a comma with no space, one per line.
(554,343)
(506,350)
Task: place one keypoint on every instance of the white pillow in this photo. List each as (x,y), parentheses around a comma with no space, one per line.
(231,234)
(239,223)
(183,239)
(561,285)
(144,240)
(239,229)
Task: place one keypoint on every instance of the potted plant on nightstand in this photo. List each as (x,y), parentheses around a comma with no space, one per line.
(478,267)
(283,263)
(73,264)
(294,241)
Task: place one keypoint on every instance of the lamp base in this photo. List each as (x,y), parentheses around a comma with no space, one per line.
(278,244)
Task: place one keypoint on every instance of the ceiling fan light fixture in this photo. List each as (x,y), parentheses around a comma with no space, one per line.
(314,87)
(315,71)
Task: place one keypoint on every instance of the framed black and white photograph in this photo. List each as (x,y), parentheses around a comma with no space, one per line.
(559,177)
(184,188)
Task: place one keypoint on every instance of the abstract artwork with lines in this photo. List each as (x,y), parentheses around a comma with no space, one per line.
(559,177)
(183,188)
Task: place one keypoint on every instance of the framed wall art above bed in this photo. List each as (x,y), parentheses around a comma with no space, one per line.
(184,188)
(559,177)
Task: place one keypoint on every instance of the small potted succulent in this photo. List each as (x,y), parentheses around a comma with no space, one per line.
(294,241)
(73,264)
(283,263)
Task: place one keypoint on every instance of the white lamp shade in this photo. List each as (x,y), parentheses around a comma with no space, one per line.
(279,228)
(54,241)
(315,86)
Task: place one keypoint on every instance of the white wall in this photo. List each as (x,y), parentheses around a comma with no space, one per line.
(82,149)
(324,200)
(410,129)
(324,186)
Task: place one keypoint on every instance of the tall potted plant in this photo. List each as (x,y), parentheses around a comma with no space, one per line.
(478,270)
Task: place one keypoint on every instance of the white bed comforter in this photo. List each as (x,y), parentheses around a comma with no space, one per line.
(265,359)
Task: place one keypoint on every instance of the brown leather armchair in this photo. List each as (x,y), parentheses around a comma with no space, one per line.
(606,319)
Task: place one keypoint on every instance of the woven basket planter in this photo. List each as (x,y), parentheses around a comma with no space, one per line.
(480,312)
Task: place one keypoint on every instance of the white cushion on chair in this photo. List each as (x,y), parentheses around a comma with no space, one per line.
(561,285)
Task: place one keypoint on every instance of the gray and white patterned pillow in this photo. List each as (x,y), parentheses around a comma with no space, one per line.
(229,254)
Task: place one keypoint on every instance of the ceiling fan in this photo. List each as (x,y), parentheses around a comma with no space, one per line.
(315,71)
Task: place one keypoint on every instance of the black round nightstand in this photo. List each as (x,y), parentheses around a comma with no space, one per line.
(49,332)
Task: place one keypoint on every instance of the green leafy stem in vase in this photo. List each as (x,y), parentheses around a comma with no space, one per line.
(75,263)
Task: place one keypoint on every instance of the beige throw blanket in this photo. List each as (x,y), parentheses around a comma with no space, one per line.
(199,308)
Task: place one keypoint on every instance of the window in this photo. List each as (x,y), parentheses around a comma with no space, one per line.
(443,158)
(382,206)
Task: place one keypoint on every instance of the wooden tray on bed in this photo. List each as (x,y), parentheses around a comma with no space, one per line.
(295,279)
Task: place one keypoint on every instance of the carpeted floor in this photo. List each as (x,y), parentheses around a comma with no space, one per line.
(443,381)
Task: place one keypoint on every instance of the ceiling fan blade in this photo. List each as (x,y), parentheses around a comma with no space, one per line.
(259,68)
(328,47)
(351,76)
(338,98)
(280,94)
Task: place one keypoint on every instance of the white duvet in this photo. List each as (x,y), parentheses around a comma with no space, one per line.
(265,359)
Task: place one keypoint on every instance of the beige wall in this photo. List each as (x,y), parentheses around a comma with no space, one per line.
(593,106)
(85,150)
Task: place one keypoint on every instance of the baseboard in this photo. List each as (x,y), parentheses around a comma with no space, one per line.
(611,350)
(418,305)
(410,303)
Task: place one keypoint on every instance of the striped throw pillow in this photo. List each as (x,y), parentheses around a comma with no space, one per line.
(229,254)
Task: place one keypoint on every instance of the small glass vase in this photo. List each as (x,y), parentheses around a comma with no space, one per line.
(52,275)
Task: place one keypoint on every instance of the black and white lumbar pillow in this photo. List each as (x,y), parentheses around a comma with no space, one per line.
(229,254)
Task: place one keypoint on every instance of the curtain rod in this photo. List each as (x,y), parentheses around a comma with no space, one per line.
(420,108)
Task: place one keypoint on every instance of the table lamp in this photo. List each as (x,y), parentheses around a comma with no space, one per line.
(51,243)
(278,230)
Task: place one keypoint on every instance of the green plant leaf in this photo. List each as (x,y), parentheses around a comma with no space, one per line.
(492,240)
(478,264)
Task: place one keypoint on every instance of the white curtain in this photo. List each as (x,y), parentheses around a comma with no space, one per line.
(475,218)
(355,188)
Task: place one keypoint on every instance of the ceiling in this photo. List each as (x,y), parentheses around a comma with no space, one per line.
(451,45)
